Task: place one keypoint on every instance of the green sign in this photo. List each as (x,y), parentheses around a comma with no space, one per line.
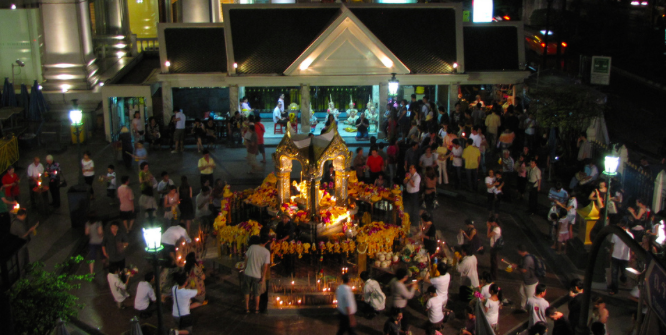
(466,15)
(601,70)
(601,65)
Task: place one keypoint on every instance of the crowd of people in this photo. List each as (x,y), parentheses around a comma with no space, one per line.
(494,149)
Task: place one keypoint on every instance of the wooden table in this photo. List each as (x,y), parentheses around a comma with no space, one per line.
(8,113)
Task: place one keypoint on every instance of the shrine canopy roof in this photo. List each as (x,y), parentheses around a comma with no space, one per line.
(268,39)
(315,150)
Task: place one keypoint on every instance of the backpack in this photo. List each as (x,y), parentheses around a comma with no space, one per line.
(539,266)
(499,243)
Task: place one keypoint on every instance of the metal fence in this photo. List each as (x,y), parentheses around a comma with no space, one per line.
(637,183)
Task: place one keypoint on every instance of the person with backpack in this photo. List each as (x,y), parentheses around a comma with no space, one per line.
(494,234)
(373,297)
(527,269)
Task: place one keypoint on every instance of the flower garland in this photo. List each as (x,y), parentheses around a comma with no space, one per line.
(265,194)
(379,237)
(238,234)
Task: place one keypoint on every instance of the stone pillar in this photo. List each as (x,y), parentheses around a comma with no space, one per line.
(167,102)
(383,99)
(340,187)
(216,11)
(68,59)
(314,196)
(111,18)
(305,108)
(233,99)
(196,11)
(453,97)
(283,188)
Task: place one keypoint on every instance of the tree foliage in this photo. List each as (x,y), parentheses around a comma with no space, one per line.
(40,297)
(568,107)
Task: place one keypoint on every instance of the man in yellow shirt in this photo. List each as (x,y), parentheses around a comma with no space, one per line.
(472,157)
(206,167)
(493,122)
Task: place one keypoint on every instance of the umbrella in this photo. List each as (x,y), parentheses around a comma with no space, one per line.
(135,327)
(24,99)
(482,325)
(60,328)
(8,95)
(37,104)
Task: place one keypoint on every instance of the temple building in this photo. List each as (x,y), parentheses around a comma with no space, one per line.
(117,57)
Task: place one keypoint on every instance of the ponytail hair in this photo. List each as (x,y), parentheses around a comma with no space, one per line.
(495,289)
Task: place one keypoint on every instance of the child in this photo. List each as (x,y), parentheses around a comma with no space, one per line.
(564,235)
(492,306)
(111,183)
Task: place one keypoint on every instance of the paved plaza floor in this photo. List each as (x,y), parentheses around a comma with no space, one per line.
(55,241)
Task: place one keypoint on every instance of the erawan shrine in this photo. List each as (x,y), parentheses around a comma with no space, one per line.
(342,225)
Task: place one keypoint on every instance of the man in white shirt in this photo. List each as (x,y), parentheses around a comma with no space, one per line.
(441,282)
(258,259)
(172,236)
(476,137)
(469,275)
(281,102)
(373,296)
(145,296)
(163,186)
(277,115)
(494,233)
(412,183)
(182,302)
(536,306)
(346,307)
(179,134)
(35,171)
(435,309)
(118,288)
(202,210)
(620,256)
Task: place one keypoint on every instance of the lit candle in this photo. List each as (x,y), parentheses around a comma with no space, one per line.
(299,301)
(278,298)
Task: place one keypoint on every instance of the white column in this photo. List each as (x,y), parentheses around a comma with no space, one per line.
(233,99)
(196,11)
(68,60)
(383,98)
(167,102)
(305,109)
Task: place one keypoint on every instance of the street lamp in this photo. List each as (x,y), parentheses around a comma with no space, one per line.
(393,85)
(75,115)
(610,169)
(153,237)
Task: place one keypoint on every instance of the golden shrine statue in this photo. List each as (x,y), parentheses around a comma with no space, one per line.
(312,153)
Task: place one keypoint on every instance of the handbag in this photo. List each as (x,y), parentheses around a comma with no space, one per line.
(184,321)
(612,208)
(63,181)
(461,238)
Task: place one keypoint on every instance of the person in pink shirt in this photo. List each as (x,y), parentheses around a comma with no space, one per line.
(126,197)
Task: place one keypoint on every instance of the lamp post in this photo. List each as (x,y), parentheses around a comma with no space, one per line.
(393,85)
(610,170)
(75,116)
(153,237)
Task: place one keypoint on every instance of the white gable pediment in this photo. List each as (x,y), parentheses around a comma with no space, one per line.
(346,47)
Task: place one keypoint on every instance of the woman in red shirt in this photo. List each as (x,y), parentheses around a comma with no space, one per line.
(11,183)
(375,163)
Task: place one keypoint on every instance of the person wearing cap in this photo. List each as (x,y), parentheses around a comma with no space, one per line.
(53,170)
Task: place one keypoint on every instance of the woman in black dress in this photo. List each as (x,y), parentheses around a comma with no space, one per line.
(472,238)
(429,233)
(186,207)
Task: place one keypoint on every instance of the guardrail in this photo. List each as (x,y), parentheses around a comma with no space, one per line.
(9,153)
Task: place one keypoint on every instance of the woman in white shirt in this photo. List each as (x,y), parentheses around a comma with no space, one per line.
(88,167)
(138,127)
(492,307)
(490,189)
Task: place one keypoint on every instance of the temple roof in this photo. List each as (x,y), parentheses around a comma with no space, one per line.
(196,49)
